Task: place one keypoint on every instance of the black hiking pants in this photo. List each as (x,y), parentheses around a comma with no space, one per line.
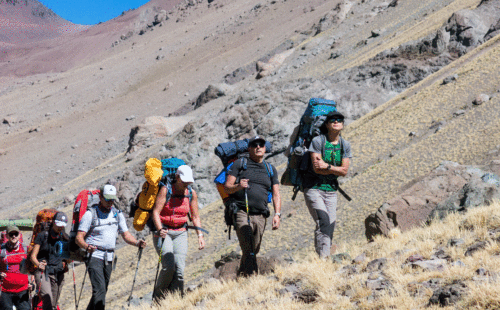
(99,275)
(20,300)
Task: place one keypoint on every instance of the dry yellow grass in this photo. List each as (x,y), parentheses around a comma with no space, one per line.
(331,283)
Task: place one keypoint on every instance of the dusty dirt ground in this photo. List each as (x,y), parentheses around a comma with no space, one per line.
(77,118)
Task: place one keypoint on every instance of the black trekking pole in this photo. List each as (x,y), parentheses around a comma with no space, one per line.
(252,253)
(74,283)
(84,276)
(158,267)
(135,276)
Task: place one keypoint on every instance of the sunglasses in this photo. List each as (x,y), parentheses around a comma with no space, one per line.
(335,120)
(13,234)
(108,200)
(257,144)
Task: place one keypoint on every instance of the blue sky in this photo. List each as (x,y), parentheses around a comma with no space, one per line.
(89,12)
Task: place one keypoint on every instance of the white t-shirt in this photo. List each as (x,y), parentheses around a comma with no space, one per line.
(106,230)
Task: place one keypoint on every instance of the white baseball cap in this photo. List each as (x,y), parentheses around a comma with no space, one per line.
(108,191)
(185,173)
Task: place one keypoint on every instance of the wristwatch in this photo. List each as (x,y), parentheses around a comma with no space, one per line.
(329,166)
(278,214)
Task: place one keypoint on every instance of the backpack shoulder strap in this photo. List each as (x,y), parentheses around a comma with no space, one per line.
(323,145)
(169,191)
(244,162)
(269,169)
(95,219)
(342,142)
(190,189)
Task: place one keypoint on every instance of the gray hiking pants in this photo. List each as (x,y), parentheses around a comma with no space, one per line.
(322,206)
(50,288)
(173,252)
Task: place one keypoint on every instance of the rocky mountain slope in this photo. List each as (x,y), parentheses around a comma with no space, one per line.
(411,76)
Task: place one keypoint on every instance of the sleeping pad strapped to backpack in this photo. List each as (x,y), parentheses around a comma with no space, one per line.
(157,172)
(309,127)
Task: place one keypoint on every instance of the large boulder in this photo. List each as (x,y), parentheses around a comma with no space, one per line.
(227,266)
(467,27)
(212,92)
(450,187)
(152,129)
(273,64)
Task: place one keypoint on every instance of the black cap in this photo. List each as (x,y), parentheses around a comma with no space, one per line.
(256,138)
(334,114)
(60,219)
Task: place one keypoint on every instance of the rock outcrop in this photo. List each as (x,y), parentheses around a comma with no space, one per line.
(152,129)
(449,188)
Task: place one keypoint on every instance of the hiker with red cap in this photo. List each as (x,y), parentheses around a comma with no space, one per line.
(174,203)
(49,275)
(252,183)
(14,284)
(97,233)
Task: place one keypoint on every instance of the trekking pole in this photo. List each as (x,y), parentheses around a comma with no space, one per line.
(136,268)
(252,254)
(74,283)
(158,266)
(83,282)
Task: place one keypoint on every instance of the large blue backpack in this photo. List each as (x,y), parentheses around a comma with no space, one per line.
(309,127)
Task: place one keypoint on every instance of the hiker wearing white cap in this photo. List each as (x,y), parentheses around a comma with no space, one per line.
(49,275)
(170,217)
(97,234)
(14,284)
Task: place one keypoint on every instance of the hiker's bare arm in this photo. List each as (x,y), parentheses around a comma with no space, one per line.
(196,219)
(34,253)
(321,167)
(159,204)
(130,239)
(277,206)
(80,241)
(231,186)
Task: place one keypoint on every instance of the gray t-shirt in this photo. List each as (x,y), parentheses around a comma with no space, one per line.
(332,154)
(105,232)
(317,147)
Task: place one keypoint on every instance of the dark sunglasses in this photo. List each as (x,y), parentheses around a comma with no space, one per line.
(108,200)
(335,120)
(257,144)
(14,234)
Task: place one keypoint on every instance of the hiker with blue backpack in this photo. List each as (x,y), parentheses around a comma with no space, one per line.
(251,183)
(330,157)
(175,203)
(97,233)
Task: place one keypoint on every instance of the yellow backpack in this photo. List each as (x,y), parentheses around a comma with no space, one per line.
(155,171)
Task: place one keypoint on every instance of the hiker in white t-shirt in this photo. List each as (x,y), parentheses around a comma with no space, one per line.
(97,233)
